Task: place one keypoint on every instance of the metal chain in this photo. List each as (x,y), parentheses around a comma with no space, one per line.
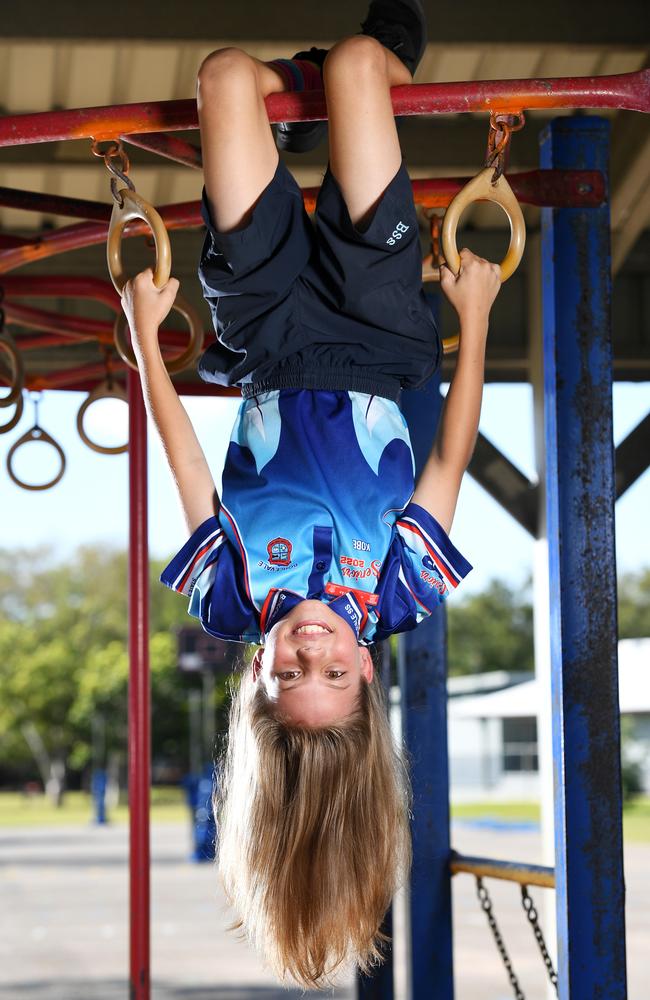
(531,913)
(501,128)
(35,397)
(486,905)
(115,152)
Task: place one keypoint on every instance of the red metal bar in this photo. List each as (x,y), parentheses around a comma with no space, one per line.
(629,91)
(139,697)
(53,204)
(77,327)
(73,327)
(85,378)
(70,379)
(59,286)
(545,188)
(168,146)
(44,341)
(558,189)
(182,216)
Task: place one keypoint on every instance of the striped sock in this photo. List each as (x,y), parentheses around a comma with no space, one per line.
(298,74)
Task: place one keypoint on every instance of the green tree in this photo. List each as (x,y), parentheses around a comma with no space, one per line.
(634,605)
(492,630)
(64,662)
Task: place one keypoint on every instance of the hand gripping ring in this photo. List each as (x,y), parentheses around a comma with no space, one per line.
(129,206)
(35,434)
(105,390)
(11,423)
(481,188)
(18,374)
(188,357)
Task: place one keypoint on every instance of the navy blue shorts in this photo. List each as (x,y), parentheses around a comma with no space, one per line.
(319,305)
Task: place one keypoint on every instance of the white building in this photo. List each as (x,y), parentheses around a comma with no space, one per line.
(493,728)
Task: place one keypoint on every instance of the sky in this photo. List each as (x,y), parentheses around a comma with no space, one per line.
(90,504)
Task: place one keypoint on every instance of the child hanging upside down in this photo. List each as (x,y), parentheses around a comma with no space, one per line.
(320,544)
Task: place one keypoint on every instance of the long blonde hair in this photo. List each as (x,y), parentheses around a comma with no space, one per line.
(313,833)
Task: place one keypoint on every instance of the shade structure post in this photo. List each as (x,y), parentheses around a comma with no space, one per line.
(576,288)
(422,667)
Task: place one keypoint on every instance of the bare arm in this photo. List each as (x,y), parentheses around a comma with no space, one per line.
(472,294)
(146,307)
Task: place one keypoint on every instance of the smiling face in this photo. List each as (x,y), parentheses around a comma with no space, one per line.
(312,666)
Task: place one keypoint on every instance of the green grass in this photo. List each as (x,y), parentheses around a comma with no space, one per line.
(636,820)
(167,806)
(636,815)
(527,812)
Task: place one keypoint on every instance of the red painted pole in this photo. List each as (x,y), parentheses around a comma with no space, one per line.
(554,188)
(139,697)
(622,90)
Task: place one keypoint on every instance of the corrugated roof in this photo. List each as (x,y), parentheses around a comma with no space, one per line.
(522,700)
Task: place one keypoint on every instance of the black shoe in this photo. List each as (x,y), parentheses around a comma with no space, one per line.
(401,26)
(300,137)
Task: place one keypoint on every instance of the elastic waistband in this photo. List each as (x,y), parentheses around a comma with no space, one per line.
(325,379)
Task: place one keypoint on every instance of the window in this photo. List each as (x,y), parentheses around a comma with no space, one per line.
(520,745)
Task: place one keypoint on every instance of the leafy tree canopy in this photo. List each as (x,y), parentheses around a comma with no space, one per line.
(64,661)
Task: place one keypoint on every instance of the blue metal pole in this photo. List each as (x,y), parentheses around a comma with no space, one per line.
(98,783)
(576,281)
(422,666)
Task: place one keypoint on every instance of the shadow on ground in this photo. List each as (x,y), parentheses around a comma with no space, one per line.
(117,990)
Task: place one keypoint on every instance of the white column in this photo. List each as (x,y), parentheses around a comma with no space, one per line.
(541,600)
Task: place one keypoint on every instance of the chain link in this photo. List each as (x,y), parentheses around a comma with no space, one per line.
(35,396)
(501,128)
(531,913)
(486,905)
(113,155)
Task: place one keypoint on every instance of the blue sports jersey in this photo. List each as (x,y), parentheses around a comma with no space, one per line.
(316,490)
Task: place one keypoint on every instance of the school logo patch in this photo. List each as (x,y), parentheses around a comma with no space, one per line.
(279,550)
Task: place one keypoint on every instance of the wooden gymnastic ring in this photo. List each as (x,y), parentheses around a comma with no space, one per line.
(35,434)
(431,273)
(18,377)
(102,391)
(188,357)
(135,207)
(11,423)
(481,188)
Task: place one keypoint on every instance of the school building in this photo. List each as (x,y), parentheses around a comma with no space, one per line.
(493,728)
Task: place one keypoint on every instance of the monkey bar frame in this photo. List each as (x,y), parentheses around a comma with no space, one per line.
(147,126)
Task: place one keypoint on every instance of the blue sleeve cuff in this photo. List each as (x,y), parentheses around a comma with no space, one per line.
(187,565)
(420,529)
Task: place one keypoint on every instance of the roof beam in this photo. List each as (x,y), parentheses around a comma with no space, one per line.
(505,483)
(633,456)
(630,173)
(472,21)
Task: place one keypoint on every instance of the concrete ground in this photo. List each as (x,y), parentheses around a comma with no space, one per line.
(63,923)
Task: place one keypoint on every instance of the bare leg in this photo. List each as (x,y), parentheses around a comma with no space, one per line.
(239,153)
(365,152)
